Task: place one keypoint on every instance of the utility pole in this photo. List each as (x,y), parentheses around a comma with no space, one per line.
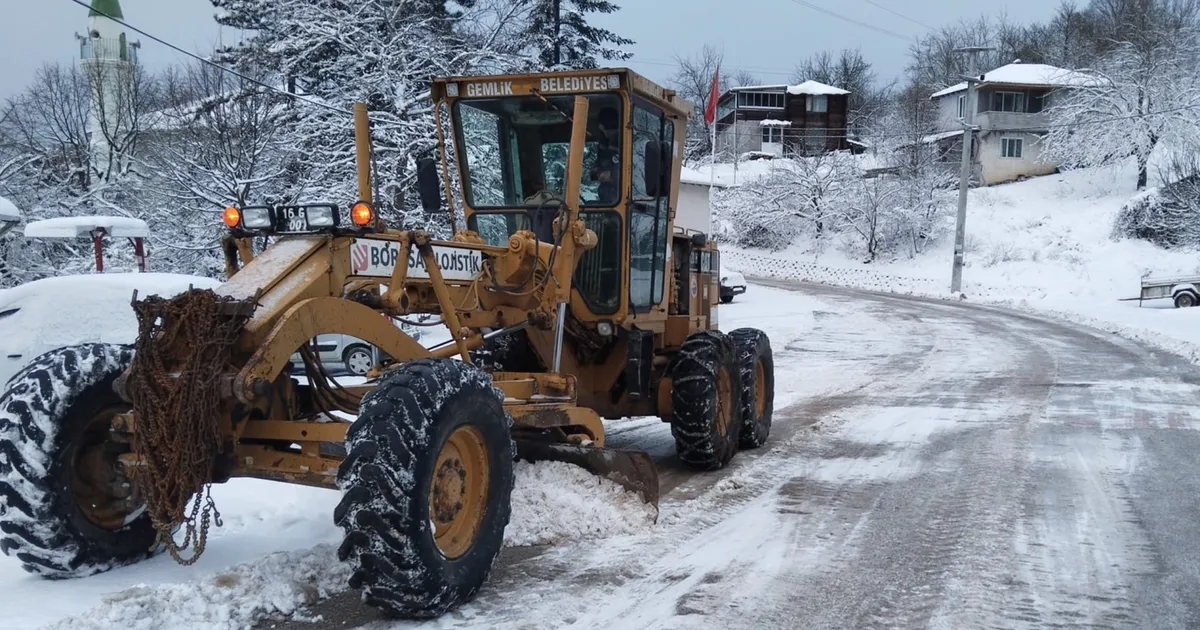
(557,29)
(964,176)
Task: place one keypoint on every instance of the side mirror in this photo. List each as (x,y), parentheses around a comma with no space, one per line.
(665,171)
(428,185)
(654,161)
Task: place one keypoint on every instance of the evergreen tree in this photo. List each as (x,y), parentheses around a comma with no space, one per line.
(563,38)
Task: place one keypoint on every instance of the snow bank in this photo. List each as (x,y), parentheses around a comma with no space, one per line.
(1043,246)
(553,502)
(278,584)
(74,227)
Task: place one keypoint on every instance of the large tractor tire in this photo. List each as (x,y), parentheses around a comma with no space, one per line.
(706,400)
(427,483)
(66,509)
(756,366)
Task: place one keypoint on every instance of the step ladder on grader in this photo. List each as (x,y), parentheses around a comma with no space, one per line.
(570,296)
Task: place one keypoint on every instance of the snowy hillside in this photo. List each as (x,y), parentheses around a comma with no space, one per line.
(1043,244)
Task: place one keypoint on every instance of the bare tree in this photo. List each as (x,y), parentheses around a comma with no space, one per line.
(693,80)
(850,71)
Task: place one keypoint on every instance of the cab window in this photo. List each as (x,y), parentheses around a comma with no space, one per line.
(648,208)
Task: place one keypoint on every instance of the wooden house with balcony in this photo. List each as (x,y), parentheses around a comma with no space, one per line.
(782,120)
(1010,113)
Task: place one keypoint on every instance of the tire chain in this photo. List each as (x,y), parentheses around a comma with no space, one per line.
(177,432)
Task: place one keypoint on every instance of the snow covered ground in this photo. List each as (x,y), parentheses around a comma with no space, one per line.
(276,549)
(1041,245)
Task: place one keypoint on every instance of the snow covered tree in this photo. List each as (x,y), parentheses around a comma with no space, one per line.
(1141,97)
(382,53)
(562,37)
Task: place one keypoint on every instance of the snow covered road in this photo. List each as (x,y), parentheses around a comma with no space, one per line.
(933,464)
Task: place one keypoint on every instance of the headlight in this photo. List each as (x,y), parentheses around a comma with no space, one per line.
(256,218)
(605,329)
(321,217)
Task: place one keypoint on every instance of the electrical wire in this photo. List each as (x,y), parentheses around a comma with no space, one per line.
(844,18)
(898,14)
(210,62)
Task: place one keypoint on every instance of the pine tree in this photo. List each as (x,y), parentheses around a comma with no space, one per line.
(563,38)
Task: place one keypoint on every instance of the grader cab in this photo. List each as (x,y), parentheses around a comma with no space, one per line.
(570,296)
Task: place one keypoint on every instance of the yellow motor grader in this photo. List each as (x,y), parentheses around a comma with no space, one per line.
(569,296)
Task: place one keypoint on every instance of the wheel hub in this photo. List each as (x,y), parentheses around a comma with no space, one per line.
(458,491)
(102,491)
(724,406)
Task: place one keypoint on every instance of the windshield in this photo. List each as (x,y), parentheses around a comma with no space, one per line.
(515,149)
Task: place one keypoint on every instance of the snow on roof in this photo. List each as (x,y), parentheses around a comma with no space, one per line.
(941,136)
(74,227)
(771,122)
(1029,74)
(815,88)
(808,87)
(694,177)
(9,210)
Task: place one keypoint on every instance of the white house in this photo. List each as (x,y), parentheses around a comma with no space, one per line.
(1011,117)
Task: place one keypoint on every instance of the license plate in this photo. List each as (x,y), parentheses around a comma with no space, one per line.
(291,219)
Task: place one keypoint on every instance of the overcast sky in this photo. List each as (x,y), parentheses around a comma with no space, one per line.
(767,37)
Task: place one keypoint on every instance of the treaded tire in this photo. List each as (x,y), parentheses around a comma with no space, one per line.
(43,415)
(393,448)
(754,347)
(699,440)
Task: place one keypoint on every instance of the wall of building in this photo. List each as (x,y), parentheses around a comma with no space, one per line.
(693,209)
(744,136)
(995,169)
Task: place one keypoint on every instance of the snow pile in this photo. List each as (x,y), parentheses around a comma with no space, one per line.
(553,502)
(278,584)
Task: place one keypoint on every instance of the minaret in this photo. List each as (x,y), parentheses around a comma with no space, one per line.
(107,58)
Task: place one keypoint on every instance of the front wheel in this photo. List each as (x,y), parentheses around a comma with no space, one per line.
(427,483)
(66,508)
(706,400)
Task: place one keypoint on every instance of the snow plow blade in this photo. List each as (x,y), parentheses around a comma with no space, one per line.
(633,470)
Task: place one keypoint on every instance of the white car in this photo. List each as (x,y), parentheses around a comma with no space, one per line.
(732,284)
(339,351)
(44,315)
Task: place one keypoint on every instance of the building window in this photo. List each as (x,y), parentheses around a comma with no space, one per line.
(1011,147)
(961,107)
(772,134)
(818,103)
(1008,102)
(765,100)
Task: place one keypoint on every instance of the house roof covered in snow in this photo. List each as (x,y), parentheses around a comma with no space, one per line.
(9,211)
(815,88)
(1027,74)
(808,87)
(74,227)
(696,178)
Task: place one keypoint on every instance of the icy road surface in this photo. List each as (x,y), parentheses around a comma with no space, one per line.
(932,464)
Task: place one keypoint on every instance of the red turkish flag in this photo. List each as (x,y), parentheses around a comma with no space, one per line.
(710,112)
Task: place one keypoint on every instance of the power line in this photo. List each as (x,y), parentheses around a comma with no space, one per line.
(211,63)
(898,14)
(851,20)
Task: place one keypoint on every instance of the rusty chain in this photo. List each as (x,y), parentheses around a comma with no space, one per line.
(183,348)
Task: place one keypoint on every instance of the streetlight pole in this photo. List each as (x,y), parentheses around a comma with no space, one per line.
(964,176)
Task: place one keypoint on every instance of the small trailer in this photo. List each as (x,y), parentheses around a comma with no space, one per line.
(1183,290)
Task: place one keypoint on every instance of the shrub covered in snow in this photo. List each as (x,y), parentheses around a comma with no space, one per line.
(1168,216)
